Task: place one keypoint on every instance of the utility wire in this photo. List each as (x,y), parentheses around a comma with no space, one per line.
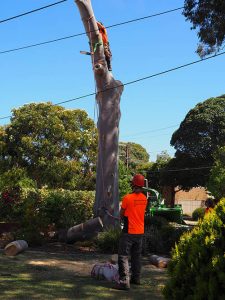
(7,117)
(153,130)
(178,170)
(32,11)
(144,78)
(137,80)
(83,33)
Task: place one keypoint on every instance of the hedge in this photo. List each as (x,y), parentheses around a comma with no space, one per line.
(36,210)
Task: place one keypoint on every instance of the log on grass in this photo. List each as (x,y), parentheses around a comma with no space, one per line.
(15,247)
(81,232)
(159,261)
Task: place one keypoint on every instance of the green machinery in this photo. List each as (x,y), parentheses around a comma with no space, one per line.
(156,207)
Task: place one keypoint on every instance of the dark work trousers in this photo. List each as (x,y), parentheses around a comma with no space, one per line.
(129,244)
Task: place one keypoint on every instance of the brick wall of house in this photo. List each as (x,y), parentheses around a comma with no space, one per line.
(191,200)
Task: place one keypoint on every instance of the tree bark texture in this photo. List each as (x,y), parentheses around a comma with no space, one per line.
(108,93)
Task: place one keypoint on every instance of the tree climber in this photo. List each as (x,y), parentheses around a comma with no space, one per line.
(107,51)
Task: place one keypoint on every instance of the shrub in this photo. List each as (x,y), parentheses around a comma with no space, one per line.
(67,208)
(8,199)
(108,241)
(27,213)
(197,269)
(161,235)
(198,213)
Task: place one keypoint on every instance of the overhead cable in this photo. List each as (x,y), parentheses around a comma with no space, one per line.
(144,78)
(32,11)
(178,170)
(137,80)
(83,33)
(149,131)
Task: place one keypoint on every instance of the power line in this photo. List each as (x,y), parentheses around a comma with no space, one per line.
(153,130)
(151,136)
(83,33)
(178,170)
(32,11)
(7,117)
(137,80)
(146,17)
(145,78)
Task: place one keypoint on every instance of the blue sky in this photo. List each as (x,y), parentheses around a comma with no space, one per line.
(57,72)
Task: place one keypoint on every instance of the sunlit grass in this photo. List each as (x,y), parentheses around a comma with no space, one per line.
(46,277)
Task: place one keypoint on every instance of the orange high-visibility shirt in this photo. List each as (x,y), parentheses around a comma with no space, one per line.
(134,205)
(103,33)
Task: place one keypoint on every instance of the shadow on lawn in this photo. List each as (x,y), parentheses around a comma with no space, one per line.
(40,275)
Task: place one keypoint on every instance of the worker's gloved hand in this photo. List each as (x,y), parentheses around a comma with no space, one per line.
(121,222)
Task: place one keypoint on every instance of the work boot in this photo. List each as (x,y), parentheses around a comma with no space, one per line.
(109,66)
(135,281)
(122,286)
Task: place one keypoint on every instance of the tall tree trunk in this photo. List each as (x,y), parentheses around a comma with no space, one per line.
(108,96)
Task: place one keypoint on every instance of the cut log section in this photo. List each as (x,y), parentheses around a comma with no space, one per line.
(81,232)
(159,261)
(15,247)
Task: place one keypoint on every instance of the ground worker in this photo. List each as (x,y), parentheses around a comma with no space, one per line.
(132,211)
(107,51)
(209,205)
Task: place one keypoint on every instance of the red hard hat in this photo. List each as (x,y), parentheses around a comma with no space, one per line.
(138,180)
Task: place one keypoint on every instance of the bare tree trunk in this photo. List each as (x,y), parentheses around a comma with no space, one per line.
(108,96)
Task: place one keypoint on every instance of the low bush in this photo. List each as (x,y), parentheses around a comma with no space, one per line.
(160,235)
(198,213)
(108,241)
(197,269)
(67,208)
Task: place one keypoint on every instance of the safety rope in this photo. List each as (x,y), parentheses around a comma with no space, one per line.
(108,213)
(96,45)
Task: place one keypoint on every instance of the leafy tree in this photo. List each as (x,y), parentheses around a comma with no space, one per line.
(207,16)
(56,147)
(15,177)
(216,182)
(124,180)
(156,172)
(133,155)
(163,157)
(200,134)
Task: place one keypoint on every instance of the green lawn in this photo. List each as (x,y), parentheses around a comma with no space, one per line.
(66,275)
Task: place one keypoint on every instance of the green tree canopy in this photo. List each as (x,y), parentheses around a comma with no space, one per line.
(133,155)
(200,134)
(55,146)
(125,178)
(207,16)
(157,171)
(216,182)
